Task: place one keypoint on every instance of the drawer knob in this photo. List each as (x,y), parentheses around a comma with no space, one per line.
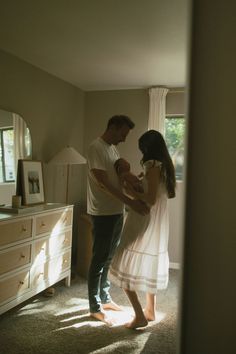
(21,282)
(42,224)
(24,228)
(22,256)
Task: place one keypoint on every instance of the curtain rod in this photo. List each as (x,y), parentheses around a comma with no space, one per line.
(170,90)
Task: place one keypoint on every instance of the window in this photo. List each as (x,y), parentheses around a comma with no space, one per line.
(7,168)
(174,136)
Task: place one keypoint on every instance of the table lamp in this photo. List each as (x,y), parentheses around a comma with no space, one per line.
(67,156)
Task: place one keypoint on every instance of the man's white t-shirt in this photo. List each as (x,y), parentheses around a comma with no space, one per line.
(102,156)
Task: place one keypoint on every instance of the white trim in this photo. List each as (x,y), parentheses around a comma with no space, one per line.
(177,115)
(174,265)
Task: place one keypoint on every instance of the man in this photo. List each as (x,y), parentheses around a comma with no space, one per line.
(105,204)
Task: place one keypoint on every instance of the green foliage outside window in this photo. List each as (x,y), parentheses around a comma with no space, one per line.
(174,136)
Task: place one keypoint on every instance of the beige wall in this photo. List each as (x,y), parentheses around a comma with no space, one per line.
(52,109)
(176,101)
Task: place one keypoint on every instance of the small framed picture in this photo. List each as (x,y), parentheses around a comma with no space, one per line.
(32,183)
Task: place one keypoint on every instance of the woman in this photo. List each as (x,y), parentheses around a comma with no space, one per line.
(141,262)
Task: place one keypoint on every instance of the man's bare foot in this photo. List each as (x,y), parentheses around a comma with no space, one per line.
(150,315)
(137,323)
(111,306)
(101,316)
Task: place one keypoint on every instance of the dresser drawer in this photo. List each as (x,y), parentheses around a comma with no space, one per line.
(51,270)
(51,246)
(15,258)
(14,286)
(54,222)
(15,231)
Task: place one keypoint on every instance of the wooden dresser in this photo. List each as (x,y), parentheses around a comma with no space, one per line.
(35,252)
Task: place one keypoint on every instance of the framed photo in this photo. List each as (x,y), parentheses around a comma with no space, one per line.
(32,184)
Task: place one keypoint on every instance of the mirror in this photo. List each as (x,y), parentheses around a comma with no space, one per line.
(15,143)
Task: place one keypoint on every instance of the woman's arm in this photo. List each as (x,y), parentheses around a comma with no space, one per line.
(153,180)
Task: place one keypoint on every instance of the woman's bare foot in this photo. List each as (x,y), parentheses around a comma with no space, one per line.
(137,323)
(150,315)
(111,306)
(101,316)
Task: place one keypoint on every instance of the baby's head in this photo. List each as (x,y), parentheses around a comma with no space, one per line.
(122,166)
(128,178)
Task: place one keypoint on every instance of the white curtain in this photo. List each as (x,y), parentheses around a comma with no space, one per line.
(157,109)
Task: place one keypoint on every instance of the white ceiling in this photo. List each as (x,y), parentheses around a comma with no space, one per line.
(100,44)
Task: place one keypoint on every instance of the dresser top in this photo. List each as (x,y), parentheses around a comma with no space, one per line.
(36,209)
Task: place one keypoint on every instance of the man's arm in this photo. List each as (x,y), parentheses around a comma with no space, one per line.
(102,180)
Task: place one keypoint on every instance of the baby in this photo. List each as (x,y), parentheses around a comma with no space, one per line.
(126,176)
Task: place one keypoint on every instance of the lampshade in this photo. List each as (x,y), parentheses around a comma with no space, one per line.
(68,156)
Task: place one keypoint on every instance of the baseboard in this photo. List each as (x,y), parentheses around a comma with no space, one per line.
(174,265)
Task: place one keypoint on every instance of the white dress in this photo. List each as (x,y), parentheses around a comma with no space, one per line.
(141,261)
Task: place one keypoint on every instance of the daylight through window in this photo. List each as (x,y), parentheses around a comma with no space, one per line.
(174,136)
(7,169)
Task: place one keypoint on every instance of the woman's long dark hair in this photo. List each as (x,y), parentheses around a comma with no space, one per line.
(153,147)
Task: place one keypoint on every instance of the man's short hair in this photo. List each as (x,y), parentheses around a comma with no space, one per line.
(119,121)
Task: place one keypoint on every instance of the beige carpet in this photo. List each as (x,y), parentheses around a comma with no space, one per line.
(61,324)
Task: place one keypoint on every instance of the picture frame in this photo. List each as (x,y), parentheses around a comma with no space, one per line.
(32,182)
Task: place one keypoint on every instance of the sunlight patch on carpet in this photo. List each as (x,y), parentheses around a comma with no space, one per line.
(90,323)
(39,307)
(77,301)
(76,317)
(117,318)
(73,305)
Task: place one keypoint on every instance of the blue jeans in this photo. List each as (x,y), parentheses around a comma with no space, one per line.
(106,237)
